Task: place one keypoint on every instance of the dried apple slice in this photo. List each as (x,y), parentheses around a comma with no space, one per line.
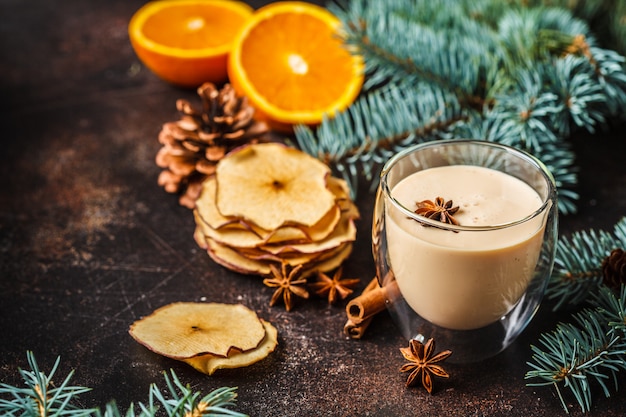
(236,232)
(272,185)
(285,234)
(349,208)
(339,188)
(184,329)
(237,261)
(208,364)
(325,264)
(246,238)
(200,238)
(301,234)
(344,232)
(292,258)
(324,227)
(206,208)
(318,231)
(231,237)
(233,260)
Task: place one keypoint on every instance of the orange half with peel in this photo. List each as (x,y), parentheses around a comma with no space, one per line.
(187,42)
(290,61)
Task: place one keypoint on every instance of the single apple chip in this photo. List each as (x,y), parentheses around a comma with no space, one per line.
(234,231)
(206,208)
(228,236)
(271,185)
(200,238)
(331,259)
(345,231)
(185,329)
(339,188)
(208,364)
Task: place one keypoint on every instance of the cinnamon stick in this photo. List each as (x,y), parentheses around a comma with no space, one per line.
(369,303)
(361,309)
(354,330)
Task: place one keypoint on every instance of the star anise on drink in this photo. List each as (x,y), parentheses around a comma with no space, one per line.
(440,210)
(423,363)
(288,282)
(336,288)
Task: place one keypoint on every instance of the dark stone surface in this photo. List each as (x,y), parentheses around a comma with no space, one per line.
(89,243)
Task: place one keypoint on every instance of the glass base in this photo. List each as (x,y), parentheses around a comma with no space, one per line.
(467,346)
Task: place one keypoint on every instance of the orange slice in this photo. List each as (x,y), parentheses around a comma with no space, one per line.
(186,42)
(291,63)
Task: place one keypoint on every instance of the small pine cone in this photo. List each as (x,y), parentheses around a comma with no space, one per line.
(193,145)
(614,269)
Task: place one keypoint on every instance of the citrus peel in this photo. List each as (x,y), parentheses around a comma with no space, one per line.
(187,42)
(290,60)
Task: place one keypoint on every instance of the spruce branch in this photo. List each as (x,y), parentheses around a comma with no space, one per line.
(620,232)
(41,398)
(587,353)
(386,120)
(612,308)
(592,350)
(577,271)
(516,73)
(184,402)
(526,111)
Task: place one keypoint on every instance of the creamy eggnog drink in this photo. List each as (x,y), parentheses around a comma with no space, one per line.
(470,278)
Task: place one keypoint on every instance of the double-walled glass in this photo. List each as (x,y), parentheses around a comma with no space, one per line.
(475,286)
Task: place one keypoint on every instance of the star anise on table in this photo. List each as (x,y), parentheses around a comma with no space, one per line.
(440,210)
(423,362)
(336,288)
(288,282)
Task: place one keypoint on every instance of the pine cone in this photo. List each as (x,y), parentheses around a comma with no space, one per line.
(193,145)
(614,269)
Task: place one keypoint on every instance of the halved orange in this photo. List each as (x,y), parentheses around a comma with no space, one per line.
(186,42)
(290,61)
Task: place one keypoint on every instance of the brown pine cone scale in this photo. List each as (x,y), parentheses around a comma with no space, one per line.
(193,145)
(614,268)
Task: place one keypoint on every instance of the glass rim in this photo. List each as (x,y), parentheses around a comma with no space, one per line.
(547,202)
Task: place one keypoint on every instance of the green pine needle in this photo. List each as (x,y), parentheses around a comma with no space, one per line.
(184,402)
(41,398)
(379,124)
(511,72)
(577,269)
(590,352)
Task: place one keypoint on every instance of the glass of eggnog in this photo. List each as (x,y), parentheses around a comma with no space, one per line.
(464,236)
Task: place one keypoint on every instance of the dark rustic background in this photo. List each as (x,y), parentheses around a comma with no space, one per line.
(89,243)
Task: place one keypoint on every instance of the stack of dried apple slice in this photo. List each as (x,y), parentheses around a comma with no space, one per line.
(269,203)
(207,336)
